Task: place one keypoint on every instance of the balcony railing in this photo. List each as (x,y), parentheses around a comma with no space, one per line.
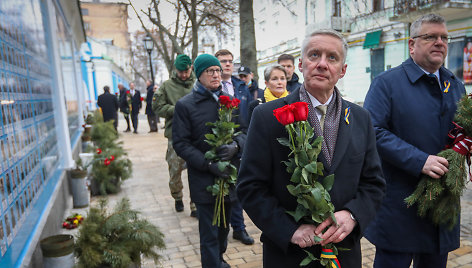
(403,7)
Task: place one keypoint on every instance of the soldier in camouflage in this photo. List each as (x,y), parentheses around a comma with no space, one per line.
(163,103)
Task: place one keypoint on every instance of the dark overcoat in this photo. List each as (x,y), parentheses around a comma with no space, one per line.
(136,102)
(149,94)
(263,179)
(191,114)
(124,107)
(109,104)
(241,92)
(411,115)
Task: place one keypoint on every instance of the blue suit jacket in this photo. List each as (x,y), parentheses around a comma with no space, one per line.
(242,93)
(412,116)
(263,179)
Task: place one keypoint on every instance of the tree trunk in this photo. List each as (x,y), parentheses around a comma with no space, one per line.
(195,28)
(247,36)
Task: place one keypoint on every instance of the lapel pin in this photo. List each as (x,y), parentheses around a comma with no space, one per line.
(447,84)
(347,112)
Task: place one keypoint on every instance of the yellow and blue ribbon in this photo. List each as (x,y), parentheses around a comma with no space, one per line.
(347,112)
(447,84)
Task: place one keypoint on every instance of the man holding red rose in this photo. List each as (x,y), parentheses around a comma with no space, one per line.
(191,115)
(348,151)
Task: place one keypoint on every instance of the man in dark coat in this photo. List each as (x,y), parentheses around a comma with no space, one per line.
(109,105)
(247,76)
(191,114)
(124,106)
(348,152)
(136,104)
(288,62)
(412,113)
(151,116)
(237,88)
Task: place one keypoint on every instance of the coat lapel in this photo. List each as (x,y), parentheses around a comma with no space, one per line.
(343,139)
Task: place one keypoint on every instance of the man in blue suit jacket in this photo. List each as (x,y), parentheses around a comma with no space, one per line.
(412,107)
(236,88)
(348,152)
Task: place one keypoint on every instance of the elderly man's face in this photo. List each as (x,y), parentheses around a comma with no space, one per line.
(425,51)
(211,77)
(322,64)
(131,85)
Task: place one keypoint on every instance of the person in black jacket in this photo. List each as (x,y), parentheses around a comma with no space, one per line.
(109,105)
(247,76)
(136,104)
(151,116)
(191,114)
(124,106)
(288,62)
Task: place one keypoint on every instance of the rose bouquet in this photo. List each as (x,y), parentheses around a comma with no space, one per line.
(307,182)
(223,132)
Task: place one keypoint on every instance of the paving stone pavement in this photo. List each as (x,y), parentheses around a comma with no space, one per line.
(149,193)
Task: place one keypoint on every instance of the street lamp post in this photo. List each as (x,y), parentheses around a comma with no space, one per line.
(149,45)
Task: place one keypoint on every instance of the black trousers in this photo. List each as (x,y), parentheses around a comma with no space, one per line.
(392,259)
(152,120)
(126,116)
(213,239)
(134,120)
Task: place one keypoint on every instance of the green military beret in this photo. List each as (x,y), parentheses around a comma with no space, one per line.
(182,62)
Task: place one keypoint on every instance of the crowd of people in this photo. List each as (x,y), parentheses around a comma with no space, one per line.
(376,152)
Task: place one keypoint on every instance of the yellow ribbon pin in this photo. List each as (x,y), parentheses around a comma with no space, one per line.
(347,112)
(447,84)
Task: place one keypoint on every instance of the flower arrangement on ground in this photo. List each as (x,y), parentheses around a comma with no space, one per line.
(439,199)
(73,221)
(117,239)
(223,132)
(307,182)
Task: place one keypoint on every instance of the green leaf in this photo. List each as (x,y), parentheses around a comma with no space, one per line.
(296,175)
(305,175)
(303,158)
(210,155)
(316,193)
(284,141)
(306,261)
(312,167)
(328,182)
(293,190)
(320,168)
(317,239)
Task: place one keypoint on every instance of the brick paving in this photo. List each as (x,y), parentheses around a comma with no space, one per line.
(149,193)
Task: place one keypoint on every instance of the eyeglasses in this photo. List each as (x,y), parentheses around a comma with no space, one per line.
(226,61)
(433,38)
(213,71)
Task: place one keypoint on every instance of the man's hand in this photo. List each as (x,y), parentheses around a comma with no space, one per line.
(336,233)
(214,169)
(227,151)
(303,236)
(435,166)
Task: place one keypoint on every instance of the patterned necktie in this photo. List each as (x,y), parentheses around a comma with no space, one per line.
(322,110)
(225,87)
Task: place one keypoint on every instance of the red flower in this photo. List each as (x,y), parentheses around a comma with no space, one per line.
(225,101)
(112,158)
(99,151)
(127,92)
(116,93)
(285,115)
(106,162)
(235,103)
(142,98)
(300,111)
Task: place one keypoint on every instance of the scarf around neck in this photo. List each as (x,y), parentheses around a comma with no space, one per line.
(268,96)
(200,89)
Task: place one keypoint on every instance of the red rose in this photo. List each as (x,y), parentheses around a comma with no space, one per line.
(112,158)
(127,92)
(142,98)
(300,111)
(99,151)
(107,162)
(225,101)
(116,93)
(235,103)
(285,115)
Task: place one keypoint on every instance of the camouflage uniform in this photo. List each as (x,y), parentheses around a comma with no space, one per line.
(163,102)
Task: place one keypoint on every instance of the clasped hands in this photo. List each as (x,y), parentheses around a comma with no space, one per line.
(335,233)
(225,153)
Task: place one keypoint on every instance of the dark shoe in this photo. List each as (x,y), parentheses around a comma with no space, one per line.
(243,236)
(135,132)
(127,130)
(151,131)
(224,264)
(179,205)
(194,214)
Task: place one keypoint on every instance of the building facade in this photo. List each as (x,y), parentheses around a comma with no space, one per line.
(377,32)
(42,109)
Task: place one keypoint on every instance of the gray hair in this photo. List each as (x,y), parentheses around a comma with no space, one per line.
(268,71)
(415,27)
(330,32)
